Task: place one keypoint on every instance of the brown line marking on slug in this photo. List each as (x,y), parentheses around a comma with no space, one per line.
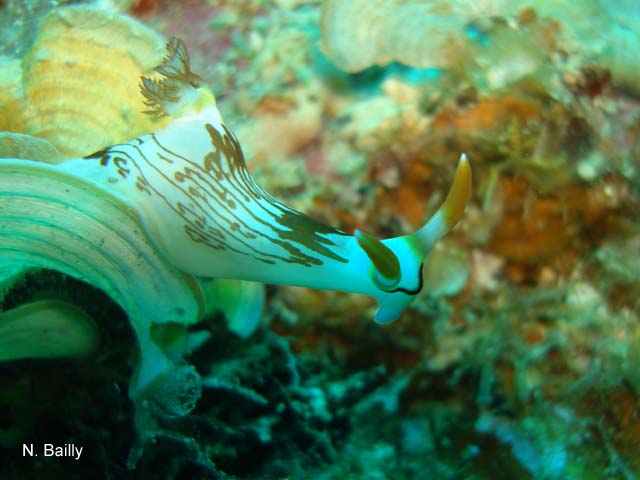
(193,175)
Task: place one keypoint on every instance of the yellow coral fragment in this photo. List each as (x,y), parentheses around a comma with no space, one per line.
(81,79)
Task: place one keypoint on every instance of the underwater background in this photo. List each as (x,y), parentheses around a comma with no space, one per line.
(517,360)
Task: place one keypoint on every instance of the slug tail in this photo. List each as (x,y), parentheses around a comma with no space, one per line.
(449,212)
(459,195)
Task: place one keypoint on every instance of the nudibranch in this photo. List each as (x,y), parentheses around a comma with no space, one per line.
(199,206)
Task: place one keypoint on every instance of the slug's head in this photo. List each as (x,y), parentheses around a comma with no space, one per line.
(394,265)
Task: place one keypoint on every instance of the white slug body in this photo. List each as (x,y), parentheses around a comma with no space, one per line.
(199,205)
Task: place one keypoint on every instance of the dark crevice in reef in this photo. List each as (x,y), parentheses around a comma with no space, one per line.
(61,402)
